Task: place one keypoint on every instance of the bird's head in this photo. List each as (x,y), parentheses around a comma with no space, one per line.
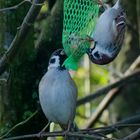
(101,54)
(57,58)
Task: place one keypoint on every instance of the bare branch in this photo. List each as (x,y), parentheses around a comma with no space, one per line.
(58,133)
(15,6)
(109,97)
(134,136)
(19,124)
(127,123)
(21,35)
(92,133)
(133,66)
(101,107)
(125,80)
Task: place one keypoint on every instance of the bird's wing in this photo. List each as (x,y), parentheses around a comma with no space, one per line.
(118,25)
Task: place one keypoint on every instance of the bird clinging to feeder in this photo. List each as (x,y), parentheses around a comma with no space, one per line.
(108,35)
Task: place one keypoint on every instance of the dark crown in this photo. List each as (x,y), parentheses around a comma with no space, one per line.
(62,57)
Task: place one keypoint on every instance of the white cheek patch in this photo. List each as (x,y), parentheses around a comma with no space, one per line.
(101,50)
(56,63)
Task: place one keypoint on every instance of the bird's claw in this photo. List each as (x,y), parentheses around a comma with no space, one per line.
(40,134)
(66,134)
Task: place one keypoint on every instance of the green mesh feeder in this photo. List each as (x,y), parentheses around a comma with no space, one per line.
(78,24)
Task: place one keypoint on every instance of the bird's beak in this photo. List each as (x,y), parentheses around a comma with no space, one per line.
(92,46)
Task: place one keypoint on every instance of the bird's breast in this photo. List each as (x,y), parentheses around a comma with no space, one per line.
(58,95)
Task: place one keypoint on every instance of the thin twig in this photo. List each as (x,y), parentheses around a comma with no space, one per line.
(134,136)
(125,80)
(129,122)
(59,133)
(92,133)
(133,66)
(110,96)
(87,133)
(17,6)
(109,129)
(101,107)
(21,35)
(19,124)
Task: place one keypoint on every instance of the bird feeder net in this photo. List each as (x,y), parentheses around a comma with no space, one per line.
(78,24)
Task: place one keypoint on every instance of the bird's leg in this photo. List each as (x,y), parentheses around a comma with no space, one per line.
(43,130)
(68,130)
(46,126)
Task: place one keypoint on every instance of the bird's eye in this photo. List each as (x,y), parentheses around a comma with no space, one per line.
(96,54)
(52,60)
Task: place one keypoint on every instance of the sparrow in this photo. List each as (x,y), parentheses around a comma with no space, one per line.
(58,92)
(108,35)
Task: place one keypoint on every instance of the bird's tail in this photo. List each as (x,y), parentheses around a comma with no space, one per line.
(117,4)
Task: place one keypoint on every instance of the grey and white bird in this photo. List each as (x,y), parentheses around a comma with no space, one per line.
(108,35)
(58,91)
